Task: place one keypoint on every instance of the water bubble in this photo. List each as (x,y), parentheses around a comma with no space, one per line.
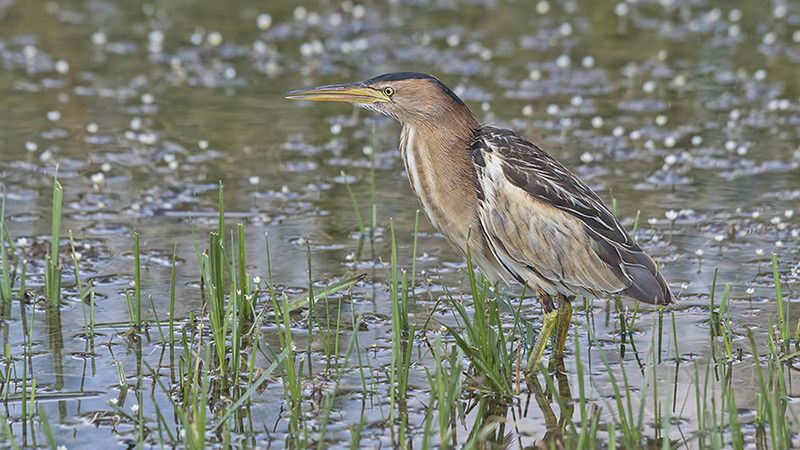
(769,38)
(669,142)
(576,101)
(105,167)
(784,104)
(587,62)
(306,49)
(173,165)
(772,105)
(661,120)
(527,110)
(780,10)
(741,150)
(636,135)
(453,40)
(796,36)
(336,128)
(214,38)
(31,146)
(734,30)
(734,15)
(30,51)
(535,74)
(485,106)
(259,46)
(46,155)
(147,99)
(661,55)
(62,66)
(565,29)
(621,9)
(99,38)
(264,21)
(735,114)
(229,73)
(359,11)
(53,115)
(300,13)
(587,157)
(542,7)
(649,86)
(156,37)
(760,75)
(92,128)
(552,109)
(730,146)
(196,38)
(697,140)
(203,144)
(367,150)
(597,121)
(563,61)
(136,123)
(618,132)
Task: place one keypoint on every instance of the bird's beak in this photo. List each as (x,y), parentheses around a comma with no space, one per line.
(351,92)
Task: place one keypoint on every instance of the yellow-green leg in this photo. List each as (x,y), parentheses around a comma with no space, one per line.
(548,323)
(562,329)
(557,319)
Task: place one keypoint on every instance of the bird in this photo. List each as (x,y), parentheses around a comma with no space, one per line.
(520,214)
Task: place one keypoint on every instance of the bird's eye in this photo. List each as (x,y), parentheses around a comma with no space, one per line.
(389,91)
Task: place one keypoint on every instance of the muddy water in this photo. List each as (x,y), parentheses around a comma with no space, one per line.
(683,113)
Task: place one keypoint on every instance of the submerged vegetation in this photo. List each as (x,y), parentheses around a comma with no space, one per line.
(201,381)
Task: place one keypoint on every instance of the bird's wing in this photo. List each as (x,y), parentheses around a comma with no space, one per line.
(550,228)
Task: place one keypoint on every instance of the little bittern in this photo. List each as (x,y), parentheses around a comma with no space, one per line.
(527,217)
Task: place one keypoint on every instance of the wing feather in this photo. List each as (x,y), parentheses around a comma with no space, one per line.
(549,228)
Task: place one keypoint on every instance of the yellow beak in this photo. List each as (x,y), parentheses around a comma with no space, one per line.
(350,92)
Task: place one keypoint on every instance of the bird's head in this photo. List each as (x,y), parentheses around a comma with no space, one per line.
(412,98)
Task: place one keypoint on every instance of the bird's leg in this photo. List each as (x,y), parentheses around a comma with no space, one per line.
(562,329)
(548,323)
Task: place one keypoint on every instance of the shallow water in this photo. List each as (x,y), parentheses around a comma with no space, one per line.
(684,112)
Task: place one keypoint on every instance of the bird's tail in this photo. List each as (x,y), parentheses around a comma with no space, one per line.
(647,283)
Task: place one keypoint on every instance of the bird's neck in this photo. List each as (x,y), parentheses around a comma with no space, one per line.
(448,132)
(439,165)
